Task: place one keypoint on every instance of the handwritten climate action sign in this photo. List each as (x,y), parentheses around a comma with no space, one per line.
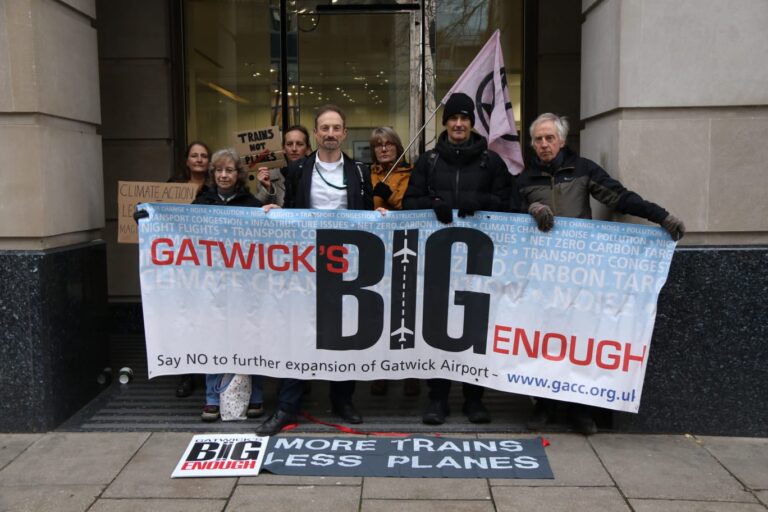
(130,193)
(340,295)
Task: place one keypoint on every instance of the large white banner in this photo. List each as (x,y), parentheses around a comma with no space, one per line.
(341,295)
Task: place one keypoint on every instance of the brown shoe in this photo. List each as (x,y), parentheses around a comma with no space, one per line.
(255,410)
(210,413)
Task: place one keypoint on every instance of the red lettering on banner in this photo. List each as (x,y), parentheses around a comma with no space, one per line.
(280,258)
(616,359)
(333,256)
(237,251)
(209,245)
(167,253)
(563,346)
(187,247)
(302,258)
(532,351)
(500,339)
(261,256)
(587,359)
(605,354)
(629,357)
(270,257)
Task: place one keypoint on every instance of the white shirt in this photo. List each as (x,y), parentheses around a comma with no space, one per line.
(329,189)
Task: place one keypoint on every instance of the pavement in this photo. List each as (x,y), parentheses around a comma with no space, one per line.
(130,471)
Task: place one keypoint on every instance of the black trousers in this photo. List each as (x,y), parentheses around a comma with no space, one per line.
(439,389)
(341,392)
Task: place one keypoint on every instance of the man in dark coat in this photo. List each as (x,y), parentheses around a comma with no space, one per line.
(558,182)
(328,179)
(460,173)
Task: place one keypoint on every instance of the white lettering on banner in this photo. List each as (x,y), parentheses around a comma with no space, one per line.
(340,295)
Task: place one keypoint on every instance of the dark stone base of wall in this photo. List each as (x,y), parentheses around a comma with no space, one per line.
(54,334)
(708,366)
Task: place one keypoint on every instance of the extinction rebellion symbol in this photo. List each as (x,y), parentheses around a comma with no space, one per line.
(485,91)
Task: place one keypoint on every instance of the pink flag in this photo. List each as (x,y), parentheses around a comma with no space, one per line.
(486,83)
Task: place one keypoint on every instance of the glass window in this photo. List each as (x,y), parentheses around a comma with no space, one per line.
(461,28)
(365,56)
(232,70)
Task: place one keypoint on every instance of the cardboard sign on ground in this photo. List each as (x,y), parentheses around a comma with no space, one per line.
(261,147)
(131,193)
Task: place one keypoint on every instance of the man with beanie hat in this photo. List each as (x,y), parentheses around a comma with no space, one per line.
(460,173)
(459,103)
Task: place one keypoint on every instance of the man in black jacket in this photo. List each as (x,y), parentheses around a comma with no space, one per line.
(328,179)
(462,173)
(559,182)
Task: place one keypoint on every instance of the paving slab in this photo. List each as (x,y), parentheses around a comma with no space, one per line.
(693,506)
(48,498)
(72,459)
(122,505)
(573,462)
(763,497)
(745,457)
(558,499)
(427,506)
(270,479)
(148,475)
(295,498)
(666,467)
(11,445)
(426,488)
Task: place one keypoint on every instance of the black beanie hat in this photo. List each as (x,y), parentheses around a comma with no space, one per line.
(459,103)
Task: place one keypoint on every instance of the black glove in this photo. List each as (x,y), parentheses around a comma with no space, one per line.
(443,212)
(468,207)
(382,190)
(674,227)
(140,214)
(543,216)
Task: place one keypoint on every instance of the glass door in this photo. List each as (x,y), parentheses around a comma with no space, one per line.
(360,61)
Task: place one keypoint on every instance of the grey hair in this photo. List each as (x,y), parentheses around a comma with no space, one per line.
(561,124)
(229,154)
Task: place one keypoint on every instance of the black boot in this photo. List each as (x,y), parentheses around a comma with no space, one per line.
(186,386)
(436,412)
(275,423)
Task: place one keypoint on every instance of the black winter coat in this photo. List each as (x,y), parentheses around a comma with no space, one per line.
(566,184)
(465,176)
(241,198)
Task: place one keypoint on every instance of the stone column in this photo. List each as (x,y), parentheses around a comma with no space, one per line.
(52,259)
(674,103)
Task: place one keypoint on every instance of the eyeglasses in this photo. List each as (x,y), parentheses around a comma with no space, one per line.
(384,145)
(225,170)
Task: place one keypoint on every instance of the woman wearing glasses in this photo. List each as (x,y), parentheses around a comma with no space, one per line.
(388,191)
(388,188)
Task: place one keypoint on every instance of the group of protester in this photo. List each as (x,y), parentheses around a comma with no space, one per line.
(460,174)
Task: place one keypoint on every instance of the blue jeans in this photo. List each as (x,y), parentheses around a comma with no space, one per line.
(212,397)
